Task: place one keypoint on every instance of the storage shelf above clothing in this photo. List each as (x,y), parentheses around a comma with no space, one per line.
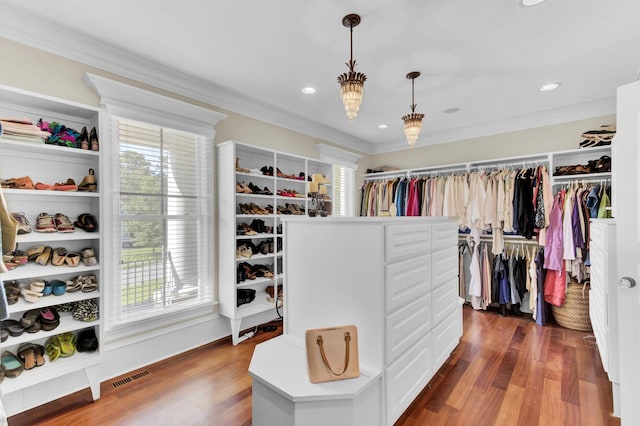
(550,159)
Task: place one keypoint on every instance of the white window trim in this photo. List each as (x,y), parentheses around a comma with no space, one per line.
(338,156)
(123,100)
(346,159)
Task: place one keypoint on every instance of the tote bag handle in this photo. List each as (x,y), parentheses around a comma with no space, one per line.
(347,340)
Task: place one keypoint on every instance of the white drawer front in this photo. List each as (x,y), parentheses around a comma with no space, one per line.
(405,241)
(406,325)
(444,235)
(444,267)
(445,300)
(446,337)
(406,281)
(406,377)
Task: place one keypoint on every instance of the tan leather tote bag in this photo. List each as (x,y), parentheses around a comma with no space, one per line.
(332,353)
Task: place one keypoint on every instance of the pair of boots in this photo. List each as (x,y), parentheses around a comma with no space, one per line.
(515,310)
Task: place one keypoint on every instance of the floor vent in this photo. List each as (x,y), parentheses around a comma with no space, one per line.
(130,379)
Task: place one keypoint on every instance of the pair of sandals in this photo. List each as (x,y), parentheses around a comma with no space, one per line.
(87,222)
(12,290)
(84,283)
(31,355)
(600,137)
(60,346)
(69,185)
(23,182)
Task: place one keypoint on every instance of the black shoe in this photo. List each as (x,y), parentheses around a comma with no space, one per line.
(502,310)
(515,309)
(87,341)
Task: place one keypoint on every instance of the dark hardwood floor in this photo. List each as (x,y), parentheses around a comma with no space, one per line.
(506,371)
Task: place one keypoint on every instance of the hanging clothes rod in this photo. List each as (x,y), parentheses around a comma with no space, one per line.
(603,180)
(449,170)
(503,165)
(508,239)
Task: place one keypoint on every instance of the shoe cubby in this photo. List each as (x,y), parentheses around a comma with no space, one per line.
(592,163)
(256,185)
(61,172)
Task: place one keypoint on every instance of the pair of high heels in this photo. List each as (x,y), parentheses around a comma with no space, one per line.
(88,140)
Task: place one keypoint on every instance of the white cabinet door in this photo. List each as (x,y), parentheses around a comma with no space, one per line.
(626,156)
(406,325)
(406,241)
(406,377)
(406,281)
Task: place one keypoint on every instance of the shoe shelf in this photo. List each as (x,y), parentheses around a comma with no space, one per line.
(257,281)
(31,270)
(253,196)
(250,237)
(259,304)
(36,193)
(241,164)
(44,237)
(255,257)
(582,176)
(51,300)
(51,370)
(51,164)
(35,147)
(67,323)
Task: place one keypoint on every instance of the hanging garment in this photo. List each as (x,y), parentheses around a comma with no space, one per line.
(533,286)
(501,291)
(593,202)
(569,249)
(603,211)
(486,278)
(462,248)
(554,239)
(475,286)
(555,287)
(542,309)
(517,278)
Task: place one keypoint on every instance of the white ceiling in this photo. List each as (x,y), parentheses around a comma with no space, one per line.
(487,58)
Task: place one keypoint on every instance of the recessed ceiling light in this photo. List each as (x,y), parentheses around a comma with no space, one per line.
(528,3)
(549,87)
(383,126)
(451,110)
(309,90)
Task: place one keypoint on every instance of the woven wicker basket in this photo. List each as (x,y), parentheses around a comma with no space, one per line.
(574,313)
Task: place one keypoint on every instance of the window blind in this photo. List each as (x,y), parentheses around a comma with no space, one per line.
(163,220)
(343,191)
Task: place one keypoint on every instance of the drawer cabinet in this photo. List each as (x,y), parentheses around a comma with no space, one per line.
(407,240)
(405,378)
(406,280)
(394,278)
(446,336)
(406,325)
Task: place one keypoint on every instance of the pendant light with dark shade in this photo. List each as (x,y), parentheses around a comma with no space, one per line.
(352,82)
(413,121)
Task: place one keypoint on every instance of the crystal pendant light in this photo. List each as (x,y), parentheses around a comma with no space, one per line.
(413,121)
(351,83)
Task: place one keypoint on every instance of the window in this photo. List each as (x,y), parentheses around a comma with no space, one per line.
(343,191)
(163,220)
(344,171)
(157,224)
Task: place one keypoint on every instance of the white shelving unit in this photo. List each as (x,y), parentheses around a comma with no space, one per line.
(50,164)
(230,216)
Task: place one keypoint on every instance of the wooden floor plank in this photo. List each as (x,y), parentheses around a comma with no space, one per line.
(505,371)
(510,408)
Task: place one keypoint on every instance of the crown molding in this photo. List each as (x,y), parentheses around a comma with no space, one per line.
(38,32)
(595,108)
